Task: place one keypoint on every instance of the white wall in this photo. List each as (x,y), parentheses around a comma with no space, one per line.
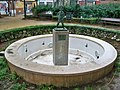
(45,1)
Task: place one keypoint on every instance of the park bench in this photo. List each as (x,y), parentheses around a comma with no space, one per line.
(2,53)
(111,21)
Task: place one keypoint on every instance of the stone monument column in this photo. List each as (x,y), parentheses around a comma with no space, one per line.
(60,46)
(60,41)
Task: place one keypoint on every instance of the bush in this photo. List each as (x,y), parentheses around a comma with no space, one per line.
(102,10)
(18,86)
(19,33)
(4,70)
(40,9)
(89,20)
(111,10)
(80,20)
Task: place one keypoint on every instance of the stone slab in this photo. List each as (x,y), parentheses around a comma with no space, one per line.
(60,46)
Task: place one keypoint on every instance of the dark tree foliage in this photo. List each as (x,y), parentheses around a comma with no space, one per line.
(102,10)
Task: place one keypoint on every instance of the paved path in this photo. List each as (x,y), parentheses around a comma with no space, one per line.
(17,21)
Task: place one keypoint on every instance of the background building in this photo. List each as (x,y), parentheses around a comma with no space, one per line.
(13,7)
(29,5)
(57,3)
(93,2)
(46,2)
(109,1)
(3,7)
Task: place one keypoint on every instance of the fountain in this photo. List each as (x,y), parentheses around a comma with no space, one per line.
(61,59)
(89,59)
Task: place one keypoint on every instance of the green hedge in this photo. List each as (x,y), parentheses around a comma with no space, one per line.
(80,20)
(111,10)
(19,33)
(90,20)
(39,9)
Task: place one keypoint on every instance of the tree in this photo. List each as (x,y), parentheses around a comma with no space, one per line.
(36,2)
(57,3)
(73,2)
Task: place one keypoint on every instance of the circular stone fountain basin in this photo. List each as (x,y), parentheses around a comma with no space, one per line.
(76,57)
(89,60)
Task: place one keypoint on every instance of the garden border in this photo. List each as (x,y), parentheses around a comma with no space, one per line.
(97,32)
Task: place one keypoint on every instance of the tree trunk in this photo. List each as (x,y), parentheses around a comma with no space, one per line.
(24,9)
(13,7)
(36,2)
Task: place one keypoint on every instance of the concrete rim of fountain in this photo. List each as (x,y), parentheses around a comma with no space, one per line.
(104,63)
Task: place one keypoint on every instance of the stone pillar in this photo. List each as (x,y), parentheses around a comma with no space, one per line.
(60,46)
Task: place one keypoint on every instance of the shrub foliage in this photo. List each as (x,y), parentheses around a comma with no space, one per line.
(39,9)
(19,33)
(111,10)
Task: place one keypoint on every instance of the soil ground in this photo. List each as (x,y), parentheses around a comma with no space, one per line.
(109,82)
(18,21)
